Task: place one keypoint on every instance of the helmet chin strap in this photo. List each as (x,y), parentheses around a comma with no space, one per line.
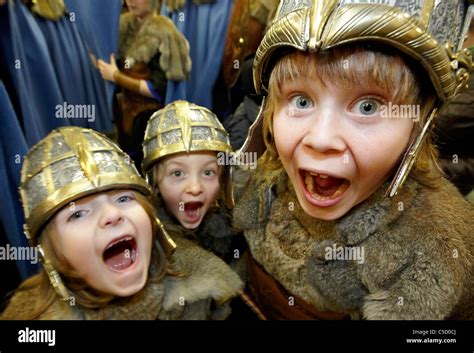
(167,243)
(53,275)
(55,278)
(410,156)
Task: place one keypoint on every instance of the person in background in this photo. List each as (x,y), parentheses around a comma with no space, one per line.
(151,51)
(185,149)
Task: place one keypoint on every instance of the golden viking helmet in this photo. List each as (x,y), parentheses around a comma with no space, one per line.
(431,32)
(185,127)
(182,127)
(68,164)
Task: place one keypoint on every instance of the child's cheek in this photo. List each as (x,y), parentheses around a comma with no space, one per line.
(214,188)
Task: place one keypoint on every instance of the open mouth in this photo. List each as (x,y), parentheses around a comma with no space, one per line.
(191,209)
(323,187)
(121,253)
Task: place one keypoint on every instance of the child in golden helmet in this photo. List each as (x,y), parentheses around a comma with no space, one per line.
(105,254)
(185,159)
(352,90)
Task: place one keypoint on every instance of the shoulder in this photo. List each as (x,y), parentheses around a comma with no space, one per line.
(443,211)
(126,20)
(254,192)
(157,24)
(21,303)
(415,212)
(426,232)
(25,299)
(205,277)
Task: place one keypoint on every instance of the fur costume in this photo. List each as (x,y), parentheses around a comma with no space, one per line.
(157,35)
(215,233)
(419,250)
(209,283)
(154,51)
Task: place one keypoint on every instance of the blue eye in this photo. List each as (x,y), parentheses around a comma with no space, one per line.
(368,106)
(301,102)
(124,198)
(209,172)
(76,215)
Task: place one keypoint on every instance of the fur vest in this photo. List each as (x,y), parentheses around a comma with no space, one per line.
(203,293)
(418,250)
(156,39)
(138,43)
(215,233)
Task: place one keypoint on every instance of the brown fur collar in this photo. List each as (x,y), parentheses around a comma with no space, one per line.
(419,249)
(138,42)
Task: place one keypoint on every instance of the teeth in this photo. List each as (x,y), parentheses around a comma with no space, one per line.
(322,176)
(337,193)
(119,241)
(309,182)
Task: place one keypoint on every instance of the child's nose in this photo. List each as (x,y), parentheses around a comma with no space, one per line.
(325,134)
(193,187)
(111,215)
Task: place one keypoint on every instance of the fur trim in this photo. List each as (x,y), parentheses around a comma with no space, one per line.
(141,42)
(209,277)
(418,247)
(215,233)
(138,42)
(22,304)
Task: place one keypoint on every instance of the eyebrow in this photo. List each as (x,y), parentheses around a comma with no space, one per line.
(211,162)
(173,163)
(182,164)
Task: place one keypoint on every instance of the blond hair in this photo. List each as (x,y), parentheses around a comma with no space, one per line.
(82,293)
(356,66)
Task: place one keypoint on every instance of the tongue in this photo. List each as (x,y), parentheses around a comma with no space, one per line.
(119,256)
(327,182)
(327,186)
(191,213)
(192,208)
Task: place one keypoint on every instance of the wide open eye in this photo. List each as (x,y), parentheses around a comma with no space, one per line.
(367,106)
(301,102)
(177,173)
(209,172)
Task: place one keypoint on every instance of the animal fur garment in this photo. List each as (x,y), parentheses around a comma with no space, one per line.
(418,250)
(157,35)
